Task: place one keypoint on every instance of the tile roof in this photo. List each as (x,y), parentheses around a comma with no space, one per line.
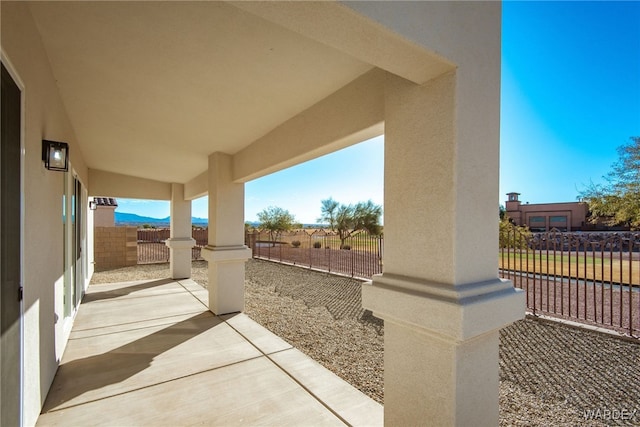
(105,201)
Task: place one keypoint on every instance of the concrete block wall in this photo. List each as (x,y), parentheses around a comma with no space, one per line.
(115,247)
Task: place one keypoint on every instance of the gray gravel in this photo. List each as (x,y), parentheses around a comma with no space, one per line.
(550,374)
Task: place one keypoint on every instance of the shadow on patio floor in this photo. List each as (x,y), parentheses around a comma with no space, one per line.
(79,376)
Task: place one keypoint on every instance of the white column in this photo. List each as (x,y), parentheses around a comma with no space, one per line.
(180,241)
(439,295)
(226,251)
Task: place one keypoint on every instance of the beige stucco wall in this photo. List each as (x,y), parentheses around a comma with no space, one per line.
(104,216)
(439,294)
(45,118)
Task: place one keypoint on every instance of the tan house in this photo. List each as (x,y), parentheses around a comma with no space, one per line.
(568,216)
(176,100)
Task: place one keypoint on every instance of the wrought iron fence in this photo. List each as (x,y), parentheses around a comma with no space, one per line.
(152,247)
(201,236)
(358,256)
(589,277)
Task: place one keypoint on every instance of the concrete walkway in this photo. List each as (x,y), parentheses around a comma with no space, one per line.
(550,374)
(149,353)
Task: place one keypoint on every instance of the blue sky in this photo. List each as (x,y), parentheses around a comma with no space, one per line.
(570,94)
(570,97)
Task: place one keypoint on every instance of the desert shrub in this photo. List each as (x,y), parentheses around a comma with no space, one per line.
(513,236)
(346,247)
(295,243)
(317,245)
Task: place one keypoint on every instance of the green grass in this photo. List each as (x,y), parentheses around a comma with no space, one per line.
(593,266)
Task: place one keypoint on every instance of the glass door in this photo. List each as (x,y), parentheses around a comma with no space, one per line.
(78,234)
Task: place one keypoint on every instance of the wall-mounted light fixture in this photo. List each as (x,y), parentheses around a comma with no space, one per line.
(93,205)
(55,155)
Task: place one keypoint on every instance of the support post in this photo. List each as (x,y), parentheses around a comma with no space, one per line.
(439,294)
(226,251)
(180,241)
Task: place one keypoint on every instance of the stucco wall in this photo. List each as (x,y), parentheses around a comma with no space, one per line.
(575,212)
(104,216)
(44,118)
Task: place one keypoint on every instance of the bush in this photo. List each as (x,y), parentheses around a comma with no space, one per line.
(317,245)
(346,247)
(295,243)
(513,236)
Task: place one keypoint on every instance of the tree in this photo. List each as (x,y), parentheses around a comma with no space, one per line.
(349,220)
(513,236)
(276,220)
(618,201)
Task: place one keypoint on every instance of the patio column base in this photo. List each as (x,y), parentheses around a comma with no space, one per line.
(180,256)
(441,347)
(226,277)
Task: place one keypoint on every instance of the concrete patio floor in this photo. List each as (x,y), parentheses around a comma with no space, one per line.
(149,353)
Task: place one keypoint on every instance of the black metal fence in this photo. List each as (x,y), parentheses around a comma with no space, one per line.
(152,248)
(201,236)
(589,277)
(358,256)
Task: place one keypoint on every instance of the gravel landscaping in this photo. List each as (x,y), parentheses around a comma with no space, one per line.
(550,374)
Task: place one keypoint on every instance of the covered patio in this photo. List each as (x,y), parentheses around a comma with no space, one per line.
(178,100)
(551,373)
(151,353)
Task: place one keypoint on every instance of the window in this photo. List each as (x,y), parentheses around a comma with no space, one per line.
(537,219)
(560,219)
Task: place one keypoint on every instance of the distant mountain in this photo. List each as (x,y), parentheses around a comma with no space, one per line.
(123,218)
(199,221)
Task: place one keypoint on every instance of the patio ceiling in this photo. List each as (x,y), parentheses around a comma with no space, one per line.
(152,89)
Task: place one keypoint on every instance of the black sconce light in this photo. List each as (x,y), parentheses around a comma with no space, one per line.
(55,155)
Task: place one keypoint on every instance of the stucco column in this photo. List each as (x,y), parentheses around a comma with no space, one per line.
(439,294)
(180,241)
(226,251)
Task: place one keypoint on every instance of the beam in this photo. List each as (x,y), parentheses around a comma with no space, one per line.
(339,26)
(103,183)
(350,115)
(197,187)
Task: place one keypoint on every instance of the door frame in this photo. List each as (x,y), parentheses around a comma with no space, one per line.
(75,249)
(79,242)
(21,86)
